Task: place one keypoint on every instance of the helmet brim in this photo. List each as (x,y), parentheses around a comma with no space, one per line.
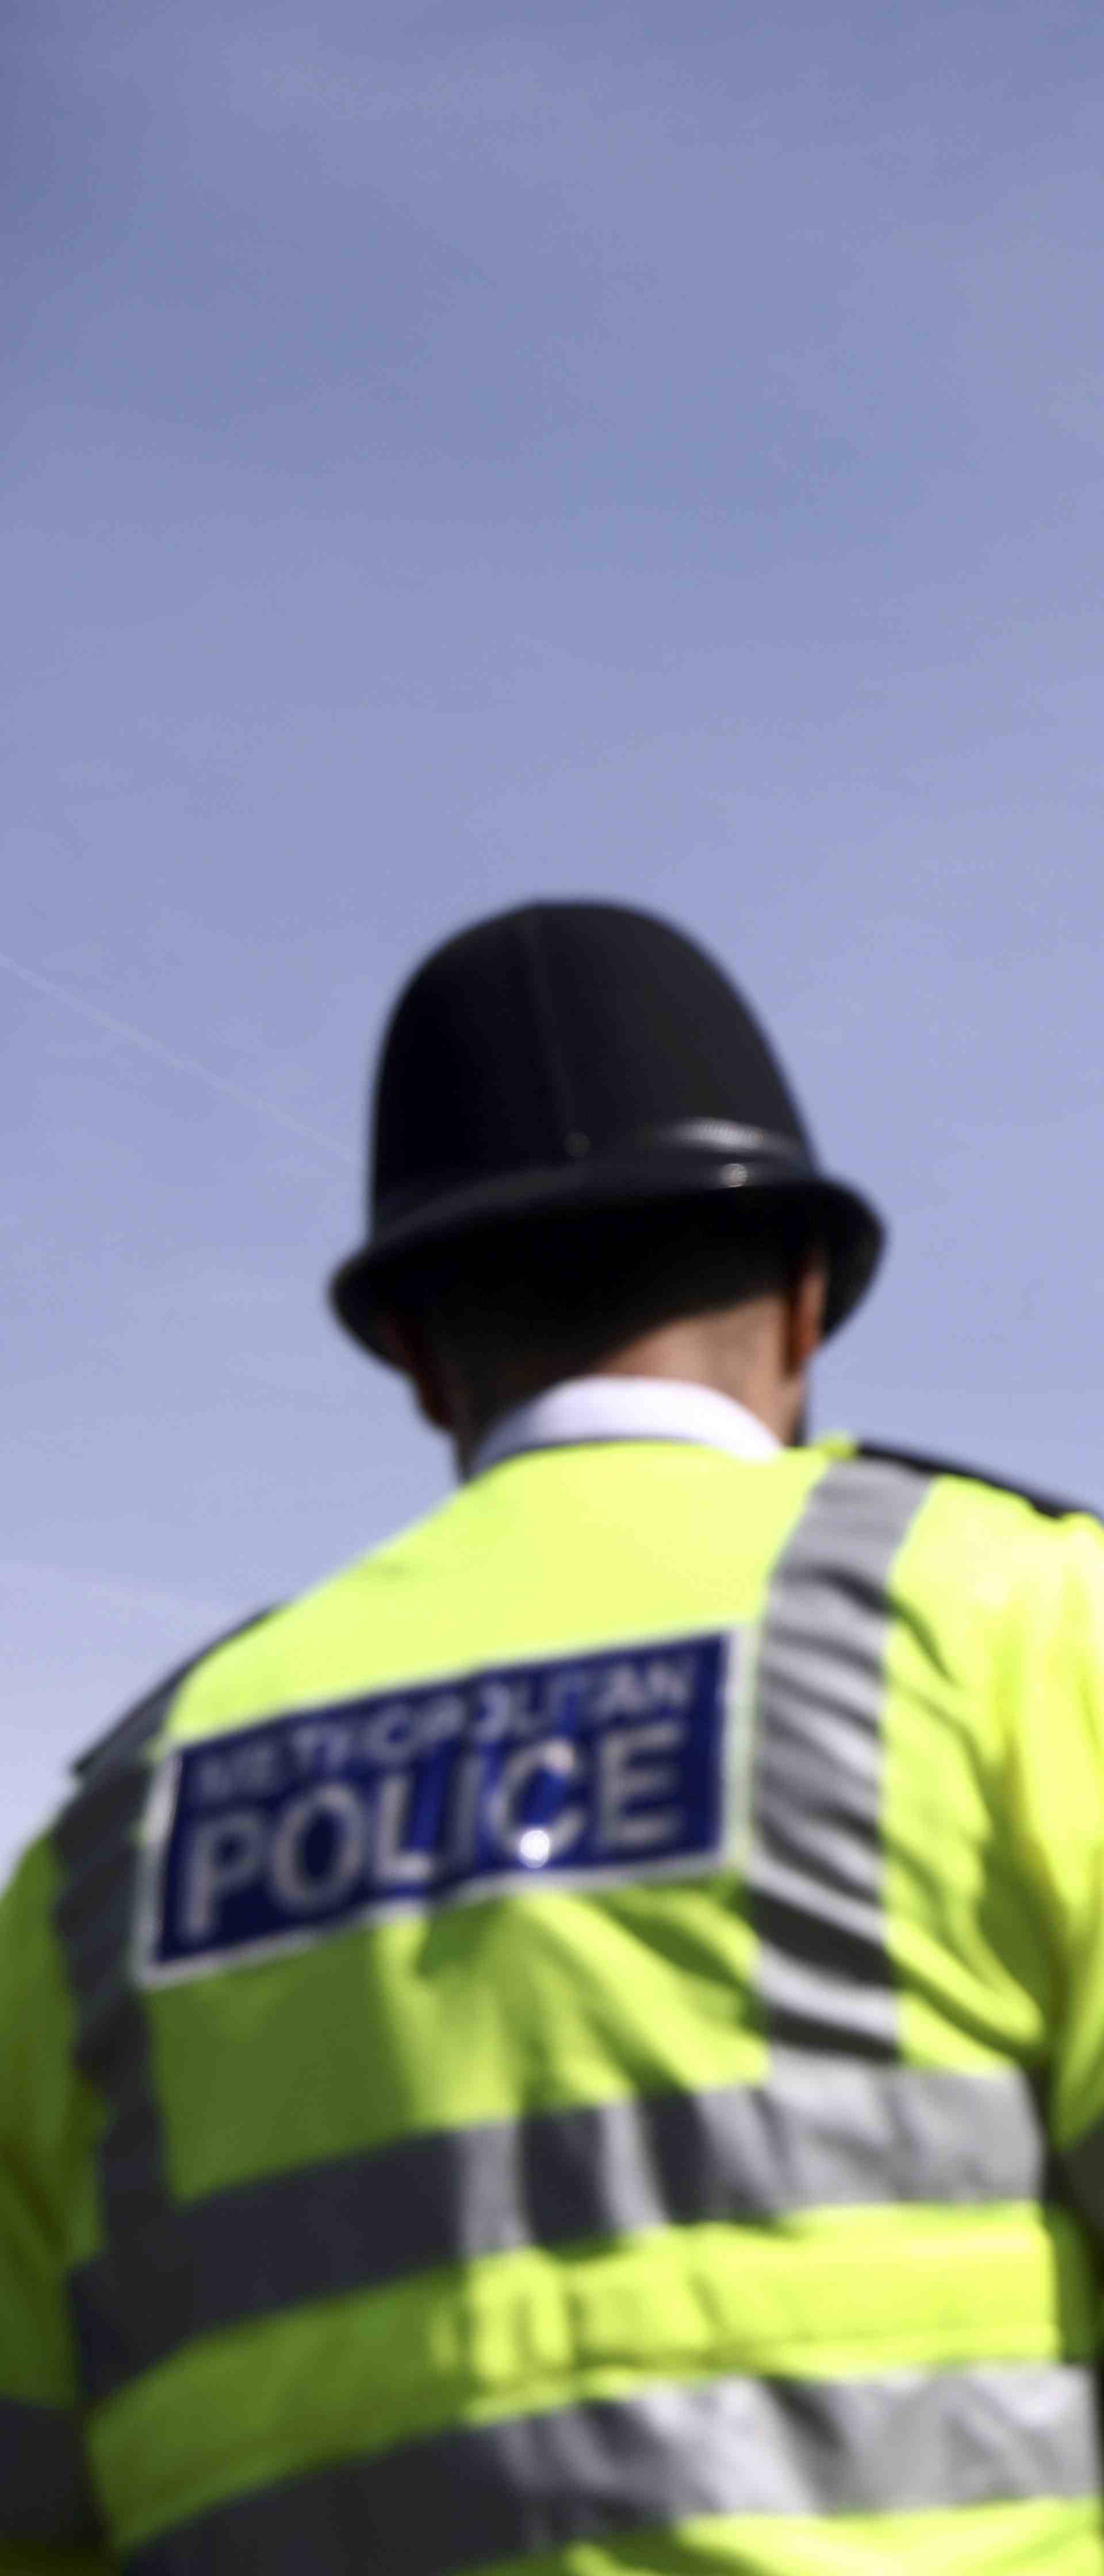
(371,1282)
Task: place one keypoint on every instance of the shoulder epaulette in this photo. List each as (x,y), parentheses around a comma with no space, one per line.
(1054,1507)
(140,1721)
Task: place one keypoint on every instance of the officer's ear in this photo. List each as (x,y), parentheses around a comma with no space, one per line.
(805,1314)
(410,1349)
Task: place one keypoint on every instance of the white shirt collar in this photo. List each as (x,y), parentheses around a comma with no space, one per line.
(584,1409)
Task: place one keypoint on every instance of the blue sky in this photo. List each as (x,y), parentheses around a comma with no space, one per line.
(463,454)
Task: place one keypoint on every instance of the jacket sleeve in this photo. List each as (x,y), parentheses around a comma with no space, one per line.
(49,2524)
(1054,1688)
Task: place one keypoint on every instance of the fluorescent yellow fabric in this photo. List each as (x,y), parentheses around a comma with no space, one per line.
(526,2006)
(47,2124)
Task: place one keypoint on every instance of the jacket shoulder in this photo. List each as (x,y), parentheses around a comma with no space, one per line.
(121,1741)
(1052,1507)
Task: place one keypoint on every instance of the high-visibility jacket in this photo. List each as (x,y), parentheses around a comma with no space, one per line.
(578,2047)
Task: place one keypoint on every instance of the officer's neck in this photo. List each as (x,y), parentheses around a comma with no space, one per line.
(756,1353)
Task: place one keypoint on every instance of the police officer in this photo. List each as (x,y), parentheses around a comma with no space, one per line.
(578,2046)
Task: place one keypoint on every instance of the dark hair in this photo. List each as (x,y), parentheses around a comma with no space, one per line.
(568,1289)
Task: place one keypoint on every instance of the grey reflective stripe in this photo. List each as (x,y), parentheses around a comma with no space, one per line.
(539,2483)
(824,1976)
(45,2494)
(96,1842)
(815,2136)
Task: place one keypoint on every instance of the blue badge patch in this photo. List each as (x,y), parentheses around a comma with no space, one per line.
(571,1773)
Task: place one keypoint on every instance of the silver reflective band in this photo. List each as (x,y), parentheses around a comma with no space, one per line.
(96,1842)
(910,2442)
(46,2498)
(96,1839)
(824,1976)
(826,2135)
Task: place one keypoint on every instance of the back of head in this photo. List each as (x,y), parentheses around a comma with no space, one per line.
(564,1296)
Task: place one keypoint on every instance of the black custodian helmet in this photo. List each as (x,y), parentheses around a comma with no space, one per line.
(568,1057)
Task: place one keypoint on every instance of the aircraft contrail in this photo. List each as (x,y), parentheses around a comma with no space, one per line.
(167,1055)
